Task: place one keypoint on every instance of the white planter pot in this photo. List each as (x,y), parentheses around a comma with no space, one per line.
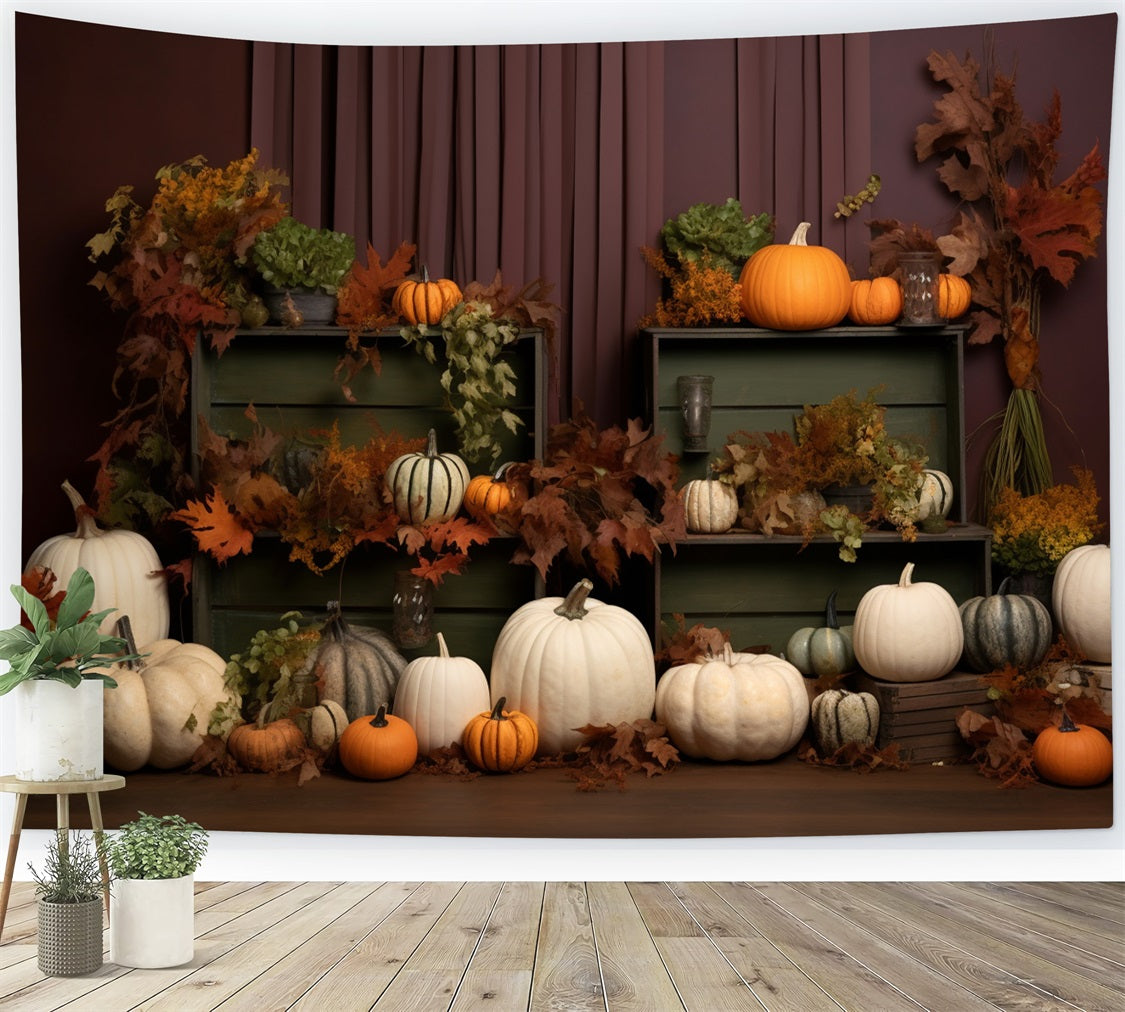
(152,922)
(58,730)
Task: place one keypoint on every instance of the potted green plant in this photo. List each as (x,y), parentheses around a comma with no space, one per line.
(152,905)
(69,906)
(59,664)
(302,267)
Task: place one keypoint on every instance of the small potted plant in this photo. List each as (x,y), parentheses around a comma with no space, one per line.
(69,905)
(302,268)
(59,663)
(152,904)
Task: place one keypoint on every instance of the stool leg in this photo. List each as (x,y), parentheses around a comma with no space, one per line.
(62,820)
(98,827)
(10,864)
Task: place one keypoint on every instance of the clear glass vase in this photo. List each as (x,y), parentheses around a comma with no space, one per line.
(920,277)
(412,610)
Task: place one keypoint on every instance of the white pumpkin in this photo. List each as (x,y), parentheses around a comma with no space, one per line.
(128,574)
(323,724)
(907,632)
(159,712)
(739,706)
(438,696)
(710,507)
(1080,599)
(568,662)
(935,497)
(428,485)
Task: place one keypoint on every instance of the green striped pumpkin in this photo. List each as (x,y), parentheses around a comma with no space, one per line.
(840,717)
(428,485)
(1004,629)
(822,650)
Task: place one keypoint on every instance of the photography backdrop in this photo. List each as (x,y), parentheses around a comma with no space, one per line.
(97,105)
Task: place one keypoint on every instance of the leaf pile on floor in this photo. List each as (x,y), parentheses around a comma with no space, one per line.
(449,761)
(861,758)
(213,757)
(1000,750)
(611,752)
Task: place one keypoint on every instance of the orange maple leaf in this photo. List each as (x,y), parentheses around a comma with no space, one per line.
(217,529)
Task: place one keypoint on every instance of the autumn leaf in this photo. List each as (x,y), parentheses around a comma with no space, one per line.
(217,530)
(39,582)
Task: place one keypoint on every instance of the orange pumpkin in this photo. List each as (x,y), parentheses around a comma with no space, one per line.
(501,741)
(875,302)
(425,301)
(1072,755)
(795,286)
(489,495)
(378,747)
(954,296)
(263,747)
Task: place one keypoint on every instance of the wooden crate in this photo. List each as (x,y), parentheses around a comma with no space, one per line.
(921,716)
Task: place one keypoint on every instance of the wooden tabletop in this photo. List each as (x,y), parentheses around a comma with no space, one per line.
(14,785)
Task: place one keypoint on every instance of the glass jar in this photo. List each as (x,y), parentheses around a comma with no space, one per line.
(919,275)
(412,610)
(695,406)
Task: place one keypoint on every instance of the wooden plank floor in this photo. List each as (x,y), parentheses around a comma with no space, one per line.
(614,946)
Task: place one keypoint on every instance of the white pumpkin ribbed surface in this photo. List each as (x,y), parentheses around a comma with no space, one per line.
(1081,601)
(565,673)
(745,707)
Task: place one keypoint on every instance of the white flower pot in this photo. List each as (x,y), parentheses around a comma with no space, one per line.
(58,730)
(152,921)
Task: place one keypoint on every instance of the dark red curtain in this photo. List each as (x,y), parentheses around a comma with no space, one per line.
(550,161)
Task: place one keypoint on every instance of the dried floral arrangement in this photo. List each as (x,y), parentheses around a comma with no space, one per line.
(1017,229)
(842,442)
(1032,533)
(178,272)
(323,497)
(597,496)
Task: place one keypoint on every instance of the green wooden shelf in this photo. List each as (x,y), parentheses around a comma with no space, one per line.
(761,588)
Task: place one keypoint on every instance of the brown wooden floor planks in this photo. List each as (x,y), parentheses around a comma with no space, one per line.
(614,947)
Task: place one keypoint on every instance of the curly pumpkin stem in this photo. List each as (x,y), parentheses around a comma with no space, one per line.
(498,710)
(83,513)
(574,605)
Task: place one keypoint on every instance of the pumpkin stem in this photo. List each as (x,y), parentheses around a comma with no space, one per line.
(83,514)
(125,631)
(907,572)
(728,652)
(574,605)
(380,718)
(501,470)
(1004,584)
(831,620)
(800,234)
(443,650)
(425,274)
(431,444)
(1066,725)
(498,710)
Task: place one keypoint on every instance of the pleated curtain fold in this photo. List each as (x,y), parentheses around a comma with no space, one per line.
(549,161)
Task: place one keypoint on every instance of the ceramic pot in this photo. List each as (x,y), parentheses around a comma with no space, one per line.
(152,921)
(58,730)
(70,938)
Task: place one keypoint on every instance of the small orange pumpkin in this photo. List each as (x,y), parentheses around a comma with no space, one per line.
(1072,755)
(875,301)
(954,296)
(262,747)
(488,496)
(425,301)
(501,741)
(378,747)
(795,286)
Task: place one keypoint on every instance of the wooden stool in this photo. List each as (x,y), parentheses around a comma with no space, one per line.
(62,789)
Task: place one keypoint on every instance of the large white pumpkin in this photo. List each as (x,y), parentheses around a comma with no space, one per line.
(907,632)
(127,571)
(739,706)
(1080,599)
(159,712)
(438,696)
(568,662)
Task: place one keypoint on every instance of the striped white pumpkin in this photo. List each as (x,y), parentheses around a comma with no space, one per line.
(427,486)
(1003,629)
(710,507)
(935,497)
(840,717)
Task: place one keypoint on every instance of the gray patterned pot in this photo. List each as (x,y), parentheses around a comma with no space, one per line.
(70,938)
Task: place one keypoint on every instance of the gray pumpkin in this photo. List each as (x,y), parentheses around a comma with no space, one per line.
(360,667)
(840,717)
(1004,629)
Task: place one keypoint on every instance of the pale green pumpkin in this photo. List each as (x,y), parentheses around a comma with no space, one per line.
(822,650)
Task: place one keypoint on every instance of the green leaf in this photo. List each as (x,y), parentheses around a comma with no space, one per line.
(35,610)
(15,641)
(78,600)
